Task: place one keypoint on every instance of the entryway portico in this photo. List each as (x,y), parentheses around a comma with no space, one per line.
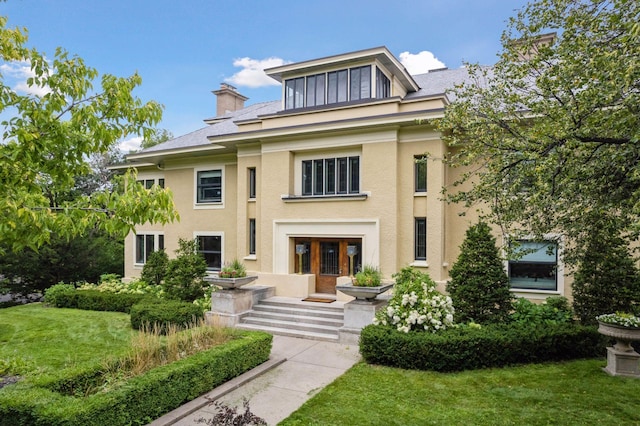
(326,243)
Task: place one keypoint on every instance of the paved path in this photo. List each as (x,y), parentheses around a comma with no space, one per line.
(296,370)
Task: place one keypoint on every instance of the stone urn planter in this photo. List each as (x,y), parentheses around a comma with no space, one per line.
(231,283)
(622,359)
(364,293)
(623,335)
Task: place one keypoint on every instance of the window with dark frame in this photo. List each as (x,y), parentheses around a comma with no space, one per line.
(209,186)
(420,173)
(344,85)
(420,238)
(210,247)
(535,268)
(330,176)
(252,236)
(147,244)
(252,182)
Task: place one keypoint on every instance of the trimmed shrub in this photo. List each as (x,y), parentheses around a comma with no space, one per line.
(554,310)
(94,300)
(143,398)
(468,348)
(52,294)
(183,279)
(163,314)
(479,286)
(155,268)
(606,280)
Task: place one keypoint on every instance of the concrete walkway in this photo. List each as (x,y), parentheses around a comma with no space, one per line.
(296,370)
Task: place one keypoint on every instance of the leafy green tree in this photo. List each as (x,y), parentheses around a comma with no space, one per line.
(156,137)
(183,279)
(551,133)
(47,142)
(606,280)
(479,287)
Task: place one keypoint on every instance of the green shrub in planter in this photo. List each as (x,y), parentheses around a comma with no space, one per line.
(467,348)
(163,314)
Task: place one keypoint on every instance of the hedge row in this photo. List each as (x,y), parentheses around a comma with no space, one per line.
(472,348)
(162,315)
(94,300)
(141,399)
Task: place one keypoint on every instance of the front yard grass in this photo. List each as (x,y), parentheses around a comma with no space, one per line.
(567,393)
(36,340)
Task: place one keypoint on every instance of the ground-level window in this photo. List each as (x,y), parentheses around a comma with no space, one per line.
(210,246)
(420,238)
(330,176)
(536,266)
(147,244)
(252,236)
(209,186)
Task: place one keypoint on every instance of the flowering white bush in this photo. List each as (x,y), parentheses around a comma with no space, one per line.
(112,283)
(416,304)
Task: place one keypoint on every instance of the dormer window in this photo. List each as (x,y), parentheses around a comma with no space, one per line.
(351,84)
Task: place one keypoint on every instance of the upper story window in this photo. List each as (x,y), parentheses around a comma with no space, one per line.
(420,173)
(209,186)
(252,182)
(344,85)
(330,176)
(148,183)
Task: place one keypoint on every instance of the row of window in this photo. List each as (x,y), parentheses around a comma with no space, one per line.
(209,246)
(330,176)
(351,84)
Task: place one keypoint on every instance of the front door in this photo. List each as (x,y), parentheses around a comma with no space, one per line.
(327,258)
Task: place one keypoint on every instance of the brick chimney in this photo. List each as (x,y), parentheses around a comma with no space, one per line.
(228,99)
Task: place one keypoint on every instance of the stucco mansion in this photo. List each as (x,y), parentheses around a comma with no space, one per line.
(329,178)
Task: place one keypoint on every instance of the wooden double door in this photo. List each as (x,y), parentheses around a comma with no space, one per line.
(327,259)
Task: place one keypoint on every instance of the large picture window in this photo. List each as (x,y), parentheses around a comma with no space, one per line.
(330,176)
(209,184)
(210,246)
(535,268)
(147,244)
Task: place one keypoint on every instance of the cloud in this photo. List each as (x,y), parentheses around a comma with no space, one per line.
(252,72)
(130,145)
(17,74)
(420,63)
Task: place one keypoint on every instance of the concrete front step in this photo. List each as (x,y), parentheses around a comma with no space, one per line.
(293,317)
(291,332)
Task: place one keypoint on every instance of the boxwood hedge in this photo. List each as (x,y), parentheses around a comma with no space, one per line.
(469,348)
(139,400)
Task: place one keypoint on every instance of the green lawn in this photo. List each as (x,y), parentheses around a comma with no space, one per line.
(569,393)
(37,339)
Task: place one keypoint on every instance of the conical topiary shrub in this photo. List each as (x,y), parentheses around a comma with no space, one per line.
(479,286)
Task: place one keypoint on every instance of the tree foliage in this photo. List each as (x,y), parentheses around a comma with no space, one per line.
(479,287)
(47,141)
(156,137)
(606,280)
(551,141)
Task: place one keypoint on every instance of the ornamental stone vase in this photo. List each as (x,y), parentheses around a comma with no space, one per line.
(364,293)
(231,283)
(622,359)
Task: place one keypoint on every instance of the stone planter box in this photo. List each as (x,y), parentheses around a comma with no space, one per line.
(231,283)
(363,293)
